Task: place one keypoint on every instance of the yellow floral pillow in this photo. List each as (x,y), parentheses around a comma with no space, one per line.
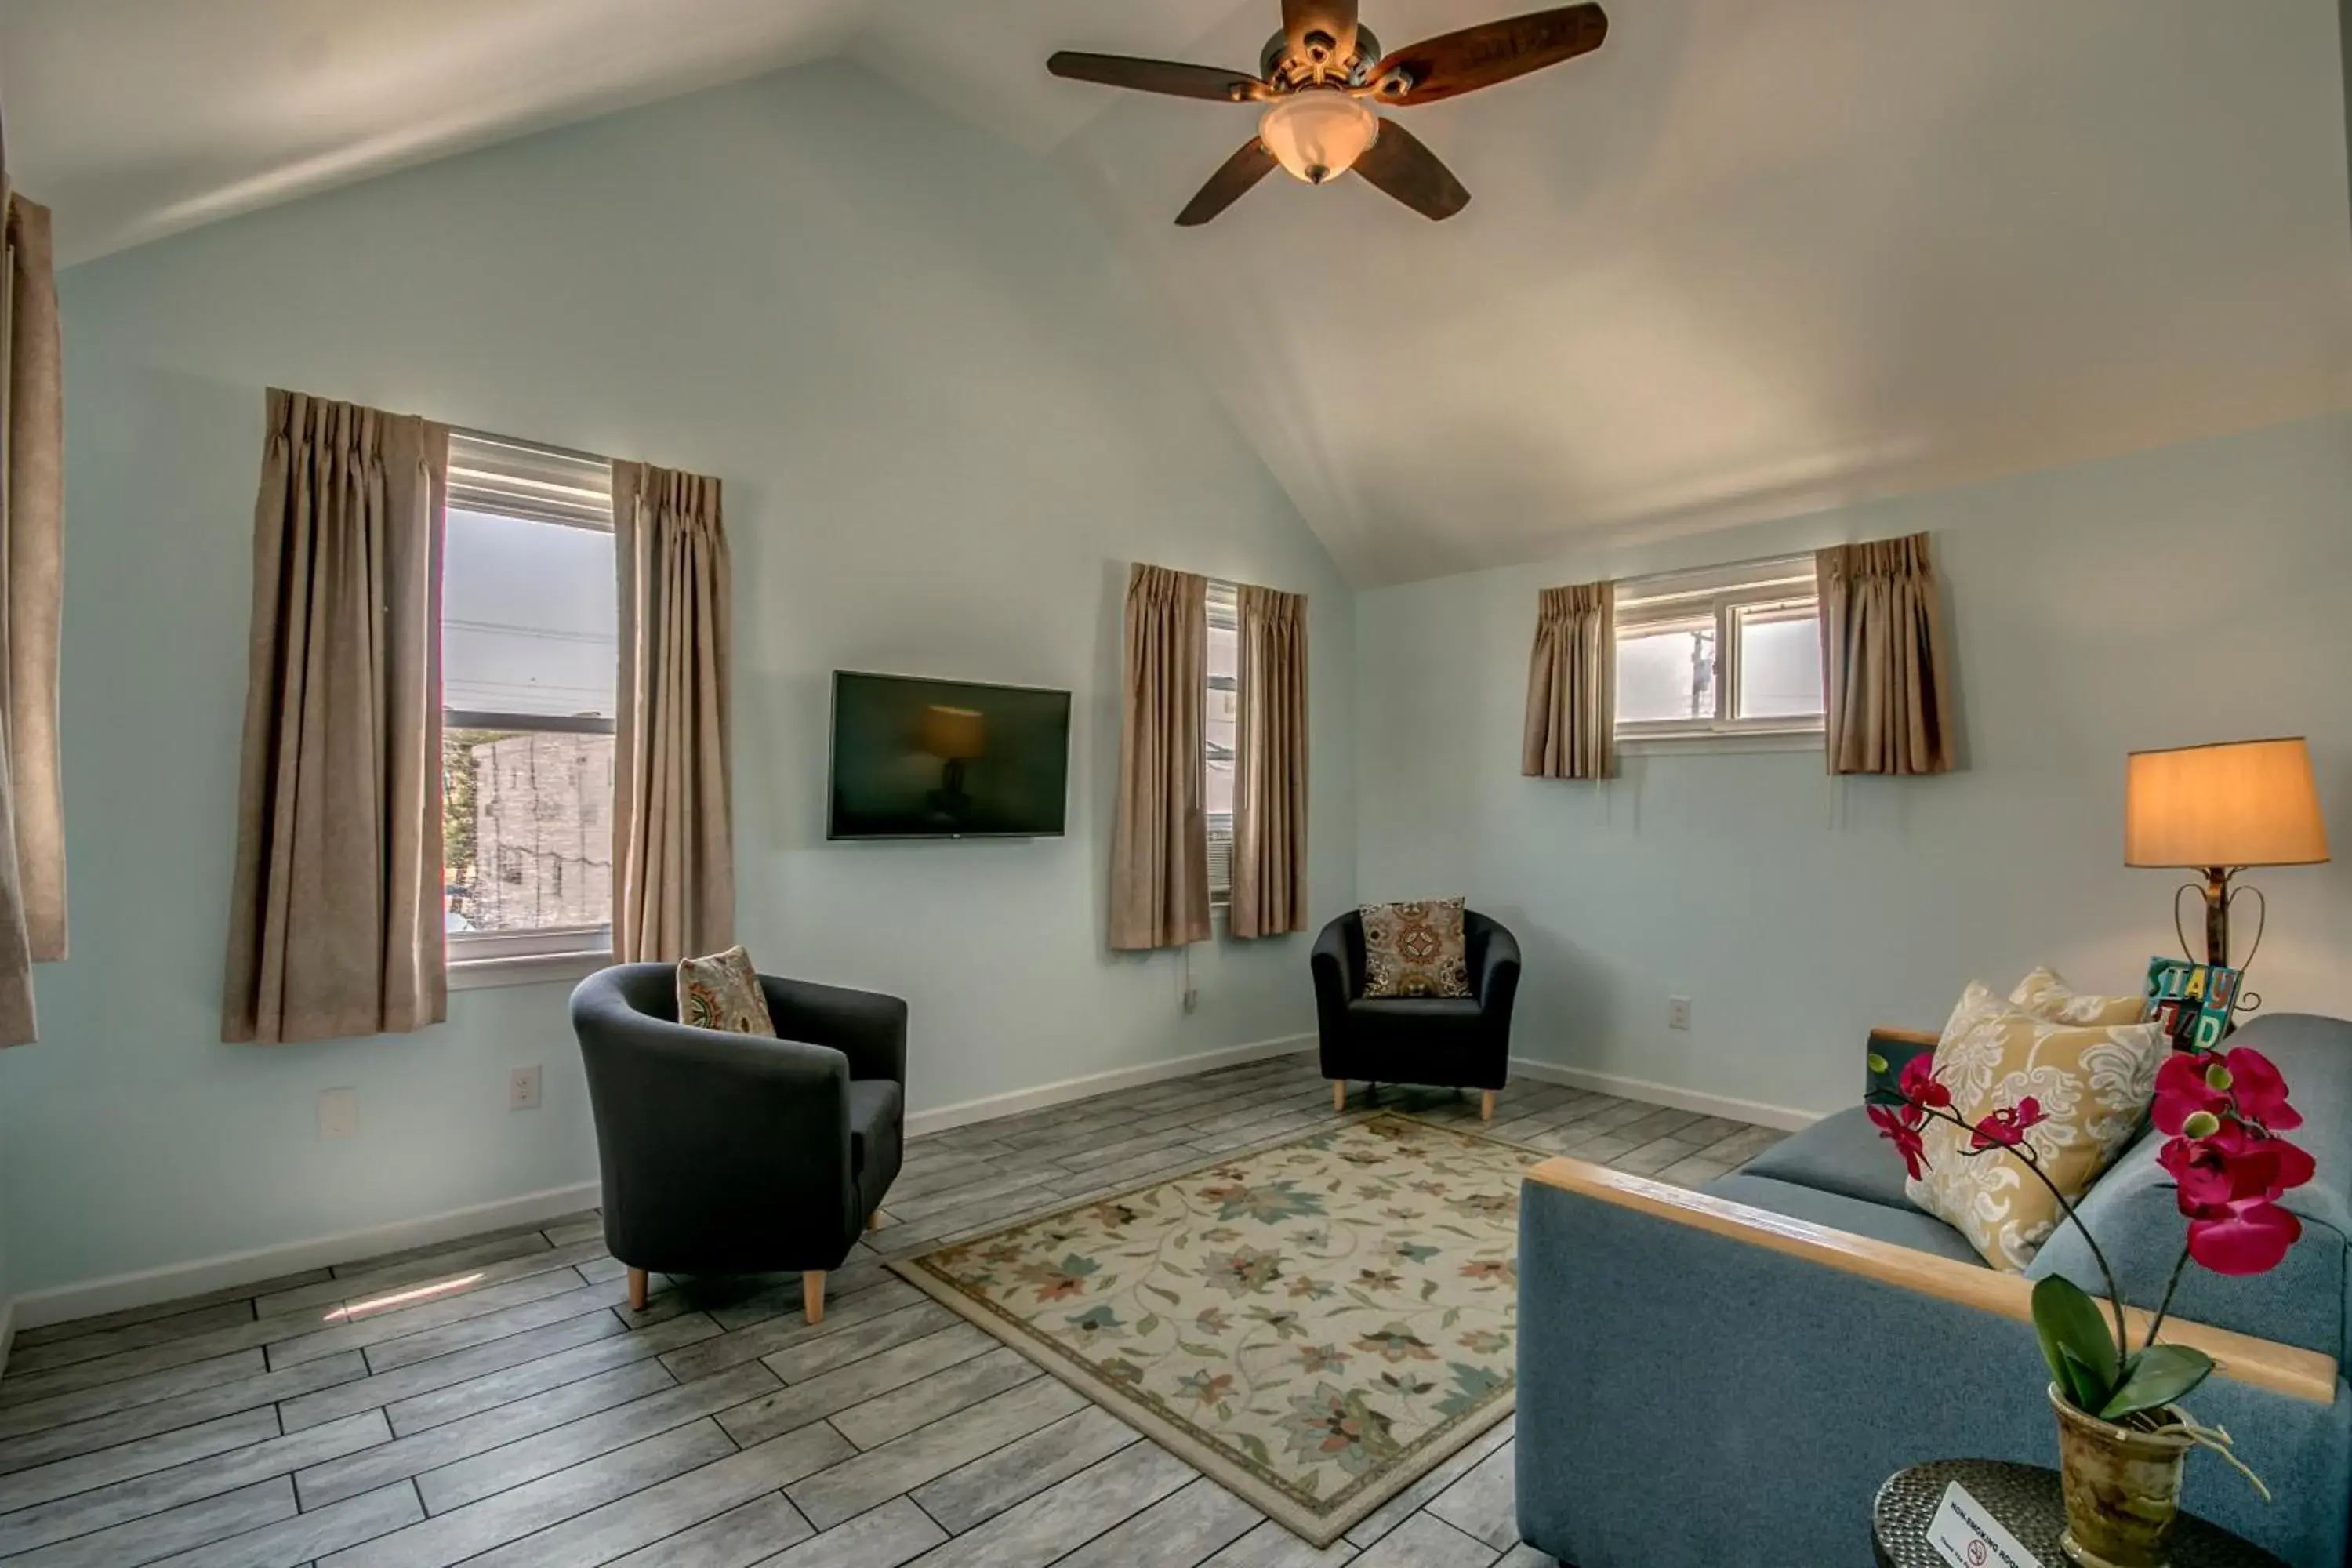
(2091,1085)
(2046,995)
(723,991)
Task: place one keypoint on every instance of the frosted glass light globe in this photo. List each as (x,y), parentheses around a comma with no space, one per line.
(1319,134)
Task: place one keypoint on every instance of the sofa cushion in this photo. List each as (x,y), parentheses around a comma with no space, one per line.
(1841,1153)
(2092,1085)
(2045,993)
(1905,1227)
(723,991)
(1418,1009)
(1415,950)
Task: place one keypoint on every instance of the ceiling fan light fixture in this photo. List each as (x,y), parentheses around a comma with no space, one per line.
(1317,135)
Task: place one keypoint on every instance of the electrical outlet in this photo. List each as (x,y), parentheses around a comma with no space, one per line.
(339,1113)
(1678,1012)
(1191,998)
(522,1089)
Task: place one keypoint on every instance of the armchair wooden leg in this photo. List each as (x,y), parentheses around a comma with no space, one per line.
(637,1289)
(1339,1095)
(813,1295)
(1486,1106)
(874,1220)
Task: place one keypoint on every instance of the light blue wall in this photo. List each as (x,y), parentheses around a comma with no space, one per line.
(2200,593)
(946,421)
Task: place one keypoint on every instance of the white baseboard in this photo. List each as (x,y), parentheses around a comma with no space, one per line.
(1757,1112)
(148,1286)
(173,1280)
(991,1107)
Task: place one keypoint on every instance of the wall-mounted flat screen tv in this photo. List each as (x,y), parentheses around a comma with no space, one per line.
(947,759)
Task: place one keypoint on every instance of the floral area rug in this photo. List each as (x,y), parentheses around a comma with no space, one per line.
(1314,1323)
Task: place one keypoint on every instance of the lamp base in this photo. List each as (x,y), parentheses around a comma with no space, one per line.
(2216,915)
(2219,896)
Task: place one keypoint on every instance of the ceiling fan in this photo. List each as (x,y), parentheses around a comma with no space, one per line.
(1316,78)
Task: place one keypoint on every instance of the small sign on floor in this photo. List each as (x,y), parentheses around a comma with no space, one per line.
(1965,1534)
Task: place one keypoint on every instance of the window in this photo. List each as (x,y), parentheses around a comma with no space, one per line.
(529,647)
(1220,734)
(1730,652)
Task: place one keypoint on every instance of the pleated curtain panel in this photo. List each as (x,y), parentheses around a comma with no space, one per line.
(1884,659)
(1269,867)
(1160,840)
(1572,720)
(32,517)
(335,917)
(674,892)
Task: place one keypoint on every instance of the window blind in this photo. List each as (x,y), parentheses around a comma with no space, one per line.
(515,479)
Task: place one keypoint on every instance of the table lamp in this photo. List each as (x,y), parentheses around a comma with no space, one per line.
(2220,809)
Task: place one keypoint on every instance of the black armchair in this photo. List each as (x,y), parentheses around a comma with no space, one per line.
(725,1153)
(1455,1042)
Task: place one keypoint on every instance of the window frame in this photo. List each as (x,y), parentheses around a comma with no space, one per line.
(1224,615)
(496,476)
(1784,587)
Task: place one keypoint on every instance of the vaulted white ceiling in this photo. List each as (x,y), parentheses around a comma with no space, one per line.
(1749,259)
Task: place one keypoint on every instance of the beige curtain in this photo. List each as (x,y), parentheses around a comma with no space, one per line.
(32,507)
(1571,724)
(1884,664)
(335,920)
(1159,843)
(673,841)
(1269,871)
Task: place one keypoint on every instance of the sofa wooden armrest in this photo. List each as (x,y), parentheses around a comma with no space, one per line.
(2261,1363)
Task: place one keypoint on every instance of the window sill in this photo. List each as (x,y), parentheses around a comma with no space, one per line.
(536,968)
(1701,742)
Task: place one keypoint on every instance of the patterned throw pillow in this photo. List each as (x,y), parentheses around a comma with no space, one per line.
(2046,995)
(723,991)
(1415,950)
(2094,1084)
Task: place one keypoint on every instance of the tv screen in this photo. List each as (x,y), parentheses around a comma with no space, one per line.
(947,759)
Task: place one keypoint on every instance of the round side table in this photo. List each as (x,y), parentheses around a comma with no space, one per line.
(2025,1499)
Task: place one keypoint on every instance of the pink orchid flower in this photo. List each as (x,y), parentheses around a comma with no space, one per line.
(1901,1128)
(2006,1128)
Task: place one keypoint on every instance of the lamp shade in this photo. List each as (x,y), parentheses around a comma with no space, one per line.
(956,734)
(2244,803)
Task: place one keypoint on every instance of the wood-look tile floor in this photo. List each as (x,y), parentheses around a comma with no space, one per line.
(493,1401)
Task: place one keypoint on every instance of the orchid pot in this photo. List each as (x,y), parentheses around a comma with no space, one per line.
(2122,1486)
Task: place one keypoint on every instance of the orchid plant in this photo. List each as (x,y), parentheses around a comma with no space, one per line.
(2222,1114)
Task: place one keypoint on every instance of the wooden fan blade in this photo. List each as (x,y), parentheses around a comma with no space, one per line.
(1455,63)
(1227,186)
(1334,19)
(1398,165)
(1171,77)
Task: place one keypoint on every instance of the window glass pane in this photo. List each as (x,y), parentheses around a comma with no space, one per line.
(1780,665)
(527,829)
(1665,672)
(1222,732)
(530,625)
(529,618)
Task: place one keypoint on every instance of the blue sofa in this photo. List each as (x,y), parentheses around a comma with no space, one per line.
(1727,1376)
